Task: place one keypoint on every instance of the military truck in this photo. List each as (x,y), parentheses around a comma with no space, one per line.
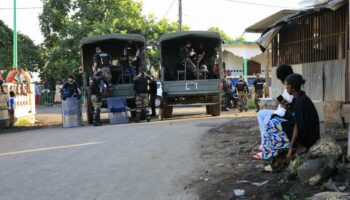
(185,84)
(117,46)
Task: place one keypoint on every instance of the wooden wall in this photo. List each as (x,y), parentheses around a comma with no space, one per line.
(325,81)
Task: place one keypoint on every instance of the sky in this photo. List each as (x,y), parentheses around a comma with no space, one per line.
(232,16)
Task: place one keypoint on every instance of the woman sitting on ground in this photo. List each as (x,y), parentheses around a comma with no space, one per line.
(306,130)
(295,133)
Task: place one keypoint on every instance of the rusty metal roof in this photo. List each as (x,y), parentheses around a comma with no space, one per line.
(263,24)
(270,32)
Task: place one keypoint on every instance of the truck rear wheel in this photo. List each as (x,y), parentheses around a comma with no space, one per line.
(216,110)
(209,109)
(167,111)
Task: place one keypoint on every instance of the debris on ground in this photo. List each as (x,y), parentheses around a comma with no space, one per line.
(228,150)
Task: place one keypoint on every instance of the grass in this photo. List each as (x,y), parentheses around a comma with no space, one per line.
(251,104)
(23,122)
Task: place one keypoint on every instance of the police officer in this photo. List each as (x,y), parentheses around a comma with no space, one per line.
(102,60)
(70,89)
(224,94)
(153,93)
(187,55)
(141,93)
(96,82)
(258,85)
(242,89)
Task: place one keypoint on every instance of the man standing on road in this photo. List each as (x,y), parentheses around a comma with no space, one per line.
(224,94)
(242,89)
(153,93)
(96,89)
(141,93)
(258,85)
(102,60)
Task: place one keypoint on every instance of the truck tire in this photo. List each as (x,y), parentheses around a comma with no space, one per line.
(167,111)
(209,109)
(216,110)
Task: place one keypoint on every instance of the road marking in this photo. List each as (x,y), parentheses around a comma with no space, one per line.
(48,149)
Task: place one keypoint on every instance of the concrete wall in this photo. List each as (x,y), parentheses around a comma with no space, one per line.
(233,62)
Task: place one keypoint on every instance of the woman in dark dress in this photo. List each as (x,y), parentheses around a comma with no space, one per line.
(306,129)
(295,132)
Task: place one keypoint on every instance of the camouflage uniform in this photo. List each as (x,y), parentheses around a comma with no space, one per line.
(96,96)
(141,93)
(106,74)
(258,94)
(259,90)
(242,100)
(141,101)
(97,103)
(242,88)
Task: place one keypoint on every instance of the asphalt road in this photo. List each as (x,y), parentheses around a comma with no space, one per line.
(148,161)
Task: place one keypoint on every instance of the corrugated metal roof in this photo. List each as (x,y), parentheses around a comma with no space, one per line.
(262,25)
(270,32)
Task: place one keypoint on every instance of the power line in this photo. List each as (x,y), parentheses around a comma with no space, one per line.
(260,4)
(167,12)
(23,8)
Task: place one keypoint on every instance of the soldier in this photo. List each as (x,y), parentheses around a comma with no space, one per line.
(188,58)
(259,90)
(242,89)
(141,93)
(96,88)
(102,60)
(224,94)
(153,93)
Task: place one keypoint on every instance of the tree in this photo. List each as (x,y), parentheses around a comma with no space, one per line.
(223,35)
(28,52)
(240,38)
(65,22)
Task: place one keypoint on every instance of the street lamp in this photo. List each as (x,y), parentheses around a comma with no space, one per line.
(14,35)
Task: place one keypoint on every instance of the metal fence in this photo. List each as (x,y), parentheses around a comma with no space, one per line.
(47,98)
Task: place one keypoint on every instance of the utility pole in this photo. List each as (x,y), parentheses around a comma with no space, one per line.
(348,75)
(14,35)
(180,15)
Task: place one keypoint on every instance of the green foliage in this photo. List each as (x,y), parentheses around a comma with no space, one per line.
(65,22)
(251,104)
(23,122)
(240,38)
(223,35)
(28,52)
(289,197)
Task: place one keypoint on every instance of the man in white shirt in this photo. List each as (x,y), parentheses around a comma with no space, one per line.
(264,115)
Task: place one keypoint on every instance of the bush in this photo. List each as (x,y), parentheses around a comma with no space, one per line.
(251,104)
(23,122)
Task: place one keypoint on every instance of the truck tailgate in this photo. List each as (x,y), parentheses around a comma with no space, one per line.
(192,87)
(123,90)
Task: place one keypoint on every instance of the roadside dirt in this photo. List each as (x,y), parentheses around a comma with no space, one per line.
(227,153)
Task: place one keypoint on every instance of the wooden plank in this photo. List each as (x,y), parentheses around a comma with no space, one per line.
(334,73)
(313,74)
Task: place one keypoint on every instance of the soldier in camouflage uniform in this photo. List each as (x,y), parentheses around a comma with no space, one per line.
(102,60)
(259,90)
(95,83)
(242,89)
(141,93)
